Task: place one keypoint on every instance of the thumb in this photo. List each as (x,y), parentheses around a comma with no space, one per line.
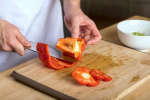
(76,31)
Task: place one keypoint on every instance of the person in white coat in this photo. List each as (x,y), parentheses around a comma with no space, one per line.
(22,21)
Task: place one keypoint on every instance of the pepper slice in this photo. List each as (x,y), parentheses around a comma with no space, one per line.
(72,47)
(82,76)
(98,75)
(107,78)
(49,61)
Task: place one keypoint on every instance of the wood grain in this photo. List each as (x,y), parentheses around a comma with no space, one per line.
(124,65)
(12,90)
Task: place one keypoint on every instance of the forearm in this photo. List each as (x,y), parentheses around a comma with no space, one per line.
(71,6)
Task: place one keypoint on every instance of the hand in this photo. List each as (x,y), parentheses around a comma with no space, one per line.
(82,26)
(11,38)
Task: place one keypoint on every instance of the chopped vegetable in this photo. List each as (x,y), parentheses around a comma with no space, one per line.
(89,77)
(72,47)
(98,75)
(138,34)
(49,61)
(107,78)
(82,76)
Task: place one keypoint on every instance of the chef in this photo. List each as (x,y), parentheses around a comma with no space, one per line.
(22,21)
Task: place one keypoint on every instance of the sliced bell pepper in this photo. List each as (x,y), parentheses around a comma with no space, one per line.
(72,47)
(66,64)
(49,61)
(98,75)
(82,76)
(107,78)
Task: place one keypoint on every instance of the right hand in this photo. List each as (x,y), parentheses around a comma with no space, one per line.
(11,39)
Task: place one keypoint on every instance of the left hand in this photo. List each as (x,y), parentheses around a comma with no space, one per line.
(82,26)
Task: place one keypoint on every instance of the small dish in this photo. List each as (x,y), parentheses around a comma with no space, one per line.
(126,34)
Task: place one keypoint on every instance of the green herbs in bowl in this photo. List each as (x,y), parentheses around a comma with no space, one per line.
(138,34)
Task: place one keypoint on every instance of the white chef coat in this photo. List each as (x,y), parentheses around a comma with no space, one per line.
(38,20)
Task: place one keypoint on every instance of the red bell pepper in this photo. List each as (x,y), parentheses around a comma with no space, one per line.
(98,75)
(88,77)
(107,78)
(49,61)
(72,47)
(82,75)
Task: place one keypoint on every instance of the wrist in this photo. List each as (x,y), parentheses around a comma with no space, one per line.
(71,7)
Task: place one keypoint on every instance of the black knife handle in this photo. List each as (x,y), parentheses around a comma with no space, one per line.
(40,87)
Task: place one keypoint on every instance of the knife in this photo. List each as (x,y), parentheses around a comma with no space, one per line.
(40,87)
(53,52)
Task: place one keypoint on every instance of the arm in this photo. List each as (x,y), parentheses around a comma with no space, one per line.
(70,6)
(78,23)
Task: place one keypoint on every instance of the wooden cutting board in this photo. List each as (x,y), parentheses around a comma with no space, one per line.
(128,68)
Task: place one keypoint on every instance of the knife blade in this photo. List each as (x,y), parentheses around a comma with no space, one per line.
(53,52)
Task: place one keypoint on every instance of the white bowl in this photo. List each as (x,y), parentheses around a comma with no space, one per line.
(125,34)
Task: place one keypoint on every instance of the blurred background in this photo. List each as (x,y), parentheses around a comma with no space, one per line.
(107,12)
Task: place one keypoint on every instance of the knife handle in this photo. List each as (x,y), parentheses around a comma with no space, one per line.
(40,87)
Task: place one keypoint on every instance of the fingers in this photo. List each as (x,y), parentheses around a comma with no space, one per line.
(3,43)
(11,39)
(75,31)
(95,35)
(84,28)
(87,38)
(23,40)
(6,47)
(17,46)
(73,26)
(76,28)
(85,33)
(12,44)
(90,33)
(17,41)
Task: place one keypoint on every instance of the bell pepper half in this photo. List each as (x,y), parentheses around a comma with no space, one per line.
(72,47)
(50,61)
(82,76)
